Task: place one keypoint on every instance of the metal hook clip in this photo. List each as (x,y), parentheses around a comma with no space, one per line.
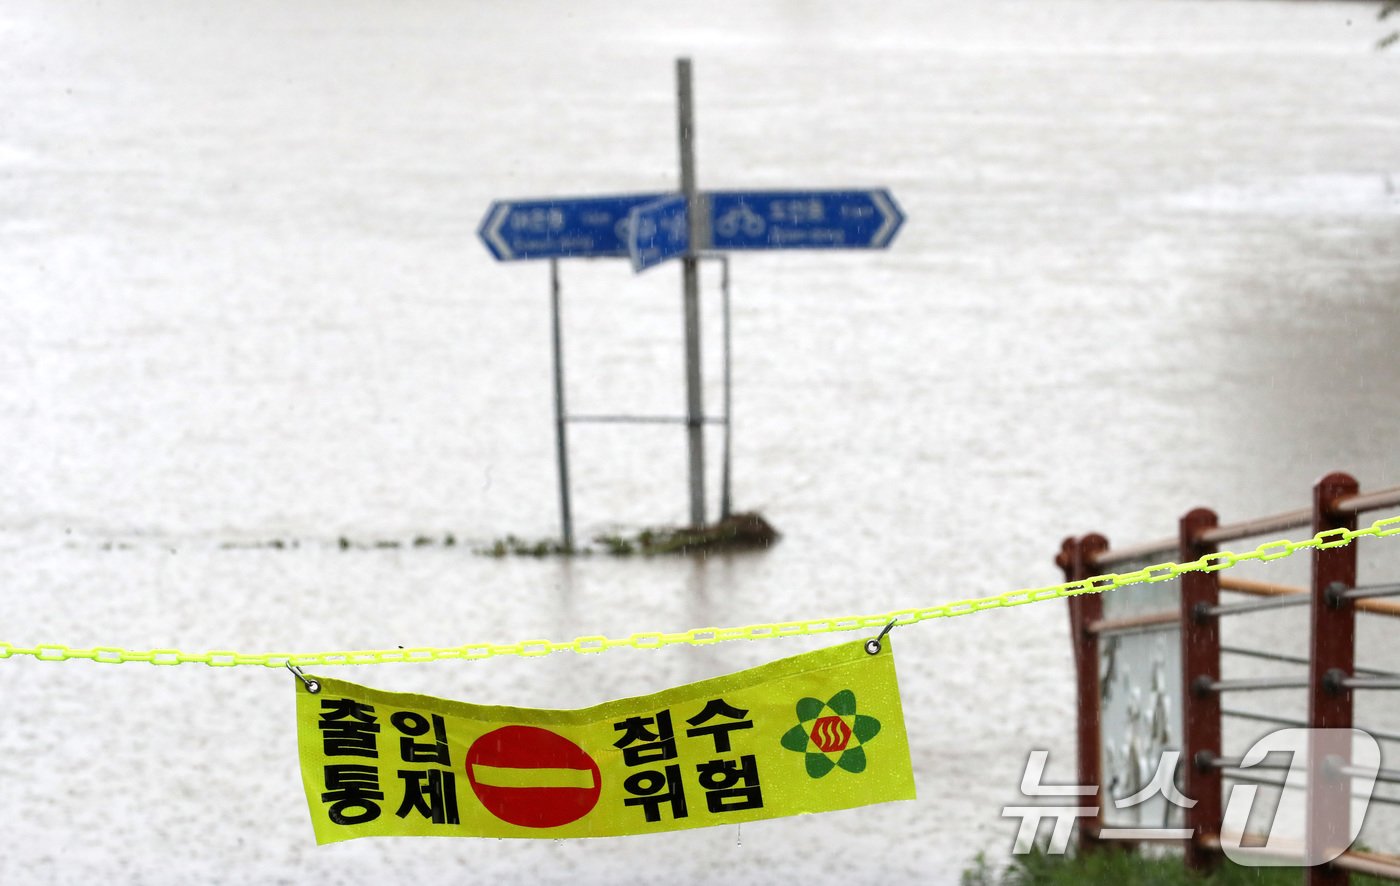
(314,686)
(873,647)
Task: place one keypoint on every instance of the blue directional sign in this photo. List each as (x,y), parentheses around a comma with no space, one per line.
(560,227)
(651,228)
(803,219)
(657,231)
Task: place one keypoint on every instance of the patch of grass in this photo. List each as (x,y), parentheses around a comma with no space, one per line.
(519,547)
(616,545)
(738,532)
(1110,867)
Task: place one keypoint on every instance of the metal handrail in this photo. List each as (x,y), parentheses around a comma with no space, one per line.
(1335,498)
(1298,660)
(1252,684)
(1389,776)
(1353,504)
(1273,589)
(1163,549)
(1247,775)
(1370,501)
(1346,682)
(1279,602)
(1258,526)
(1370,592)
(1301,724)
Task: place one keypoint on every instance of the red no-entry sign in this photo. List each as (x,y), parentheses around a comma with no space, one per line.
(531,777)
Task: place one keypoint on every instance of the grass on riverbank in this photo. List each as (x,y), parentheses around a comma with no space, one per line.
(738,532)
(1118,867)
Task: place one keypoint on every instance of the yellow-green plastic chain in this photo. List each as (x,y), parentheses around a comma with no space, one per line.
(1274,550)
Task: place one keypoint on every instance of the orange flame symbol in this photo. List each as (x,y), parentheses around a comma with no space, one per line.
(831,734)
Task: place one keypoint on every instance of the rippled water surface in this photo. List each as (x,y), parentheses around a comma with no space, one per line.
(1150,263)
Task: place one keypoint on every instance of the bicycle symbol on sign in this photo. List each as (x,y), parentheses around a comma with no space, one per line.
(740,217)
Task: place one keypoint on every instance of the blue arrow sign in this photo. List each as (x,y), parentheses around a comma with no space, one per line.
(560,227)
(651,228)
(803,219)
(657,231)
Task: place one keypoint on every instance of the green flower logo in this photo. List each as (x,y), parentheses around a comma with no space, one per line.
(831,734)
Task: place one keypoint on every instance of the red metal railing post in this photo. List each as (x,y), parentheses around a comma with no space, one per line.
(1076,559)
(1331,649)
(1200,662)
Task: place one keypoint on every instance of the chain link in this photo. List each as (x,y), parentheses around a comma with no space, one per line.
(1216,562)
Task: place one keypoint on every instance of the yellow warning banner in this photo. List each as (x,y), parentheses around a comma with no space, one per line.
(811,733)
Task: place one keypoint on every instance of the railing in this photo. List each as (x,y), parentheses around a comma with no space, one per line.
(1334,598)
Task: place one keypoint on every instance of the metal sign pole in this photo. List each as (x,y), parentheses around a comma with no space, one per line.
(724,500)
(690,288)
(560,434)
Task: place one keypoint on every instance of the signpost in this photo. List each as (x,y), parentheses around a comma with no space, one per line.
(560,227)
(651,229)
(803,219)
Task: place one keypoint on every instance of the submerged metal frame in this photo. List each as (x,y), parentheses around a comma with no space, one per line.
(562,418)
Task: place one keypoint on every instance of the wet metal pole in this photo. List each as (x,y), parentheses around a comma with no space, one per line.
(724,499)
(560,433)
(690,288)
